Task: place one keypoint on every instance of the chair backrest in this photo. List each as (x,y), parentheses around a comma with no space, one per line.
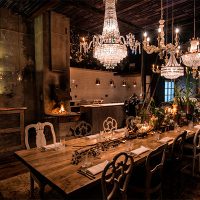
(115,176)
(109,124)
(177,146)
(196,141)
(154,168)
(82,129)
(40,137)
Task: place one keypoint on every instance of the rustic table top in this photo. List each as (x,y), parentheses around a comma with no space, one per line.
(56,169)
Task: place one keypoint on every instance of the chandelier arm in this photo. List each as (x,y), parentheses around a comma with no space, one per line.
(90,44)
(122,40)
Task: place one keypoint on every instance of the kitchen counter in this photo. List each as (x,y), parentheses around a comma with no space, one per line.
(104,104)
(95,114)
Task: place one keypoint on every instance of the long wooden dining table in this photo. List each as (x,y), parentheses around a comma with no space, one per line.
(56,169)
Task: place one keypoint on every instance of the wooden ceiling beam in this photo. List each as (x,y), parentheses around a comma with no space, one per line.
(46,6)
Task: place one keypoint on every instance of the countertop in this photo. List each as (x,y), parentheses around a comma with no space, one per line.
(103,105)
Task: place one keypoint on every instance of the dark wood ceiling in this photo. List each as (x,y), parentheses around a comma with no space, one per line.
(133,15)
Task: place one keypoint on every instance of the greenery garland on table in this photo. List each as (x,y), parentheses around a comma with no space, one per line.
(94,150)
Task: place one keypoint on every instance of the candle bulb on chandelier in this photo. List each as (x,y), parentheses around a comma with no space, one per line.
(148,39)
(159,36)
(176,36)
(145,36)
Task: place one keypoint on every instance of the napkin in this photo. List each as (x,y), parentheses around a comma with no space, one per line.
(140,150)
(197,126)
(92,136)
(51,146)
(166,139)
(119,130)
(97,168)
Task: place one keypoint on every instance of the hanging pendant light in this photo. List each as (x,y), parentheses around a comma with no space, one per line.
(192,57)
(172,70)
(110,47)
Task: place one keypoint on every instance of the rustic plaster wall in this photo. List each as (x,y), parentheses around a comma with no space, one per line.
(16,60)
(84,89)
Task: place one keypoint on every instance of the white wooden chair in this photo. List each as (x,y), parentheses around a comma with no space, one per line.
(109,124)
(82,129)
(40,141)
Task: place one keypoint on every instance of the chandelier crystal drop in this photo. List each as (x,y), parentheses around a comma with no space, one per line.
(172,70)
(192,57)
(110,48)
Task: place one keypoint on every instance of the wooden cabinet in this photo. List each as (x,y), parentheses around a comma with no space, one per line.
(11,129)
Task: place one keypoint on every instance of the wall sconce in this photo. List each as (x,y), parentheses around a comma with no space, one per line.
(98,81)
(124,83)
(19,76)
(134,84)
(111,83)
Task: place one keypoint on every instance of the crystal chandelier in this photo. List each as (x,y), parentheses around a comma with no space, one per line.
(162,48)
(172,70)
(110,48)
(192,57)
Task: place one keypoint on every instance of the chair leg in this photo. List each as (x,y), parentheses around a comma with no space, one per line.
(31,186)
(41,191)
(199,164)
(193,166)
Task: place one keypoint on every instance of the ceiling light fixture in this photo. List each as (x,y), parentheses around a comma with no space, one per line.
(192,57)
(111,83)
(97,82)
(124,83)
(110,47)
(172,70)
(162,48)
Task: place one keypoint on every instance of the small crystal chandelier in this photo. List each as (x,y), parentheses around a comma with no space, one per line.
(110,48)
(162,47)
(172,70)
(192,57)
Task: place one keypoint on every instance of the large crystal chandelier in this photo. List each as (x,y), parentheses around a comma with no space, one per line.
(192,57)
(110,48)
(172,70)
(162,48)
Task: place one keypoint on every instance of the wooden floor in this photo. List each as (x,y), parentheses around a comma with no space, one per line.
(10,166)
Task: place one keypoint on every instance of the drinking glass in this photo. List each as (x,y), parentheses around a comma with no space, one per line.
(176,127)
(129,145)
(62,141)
(157,136)
(190,125)
(87,161)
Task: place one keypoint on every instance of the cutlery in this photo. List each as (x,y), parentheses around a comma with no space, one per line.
(84,173)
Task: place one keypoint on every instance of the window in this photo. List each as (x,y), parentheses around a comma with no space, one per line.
(169,90)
